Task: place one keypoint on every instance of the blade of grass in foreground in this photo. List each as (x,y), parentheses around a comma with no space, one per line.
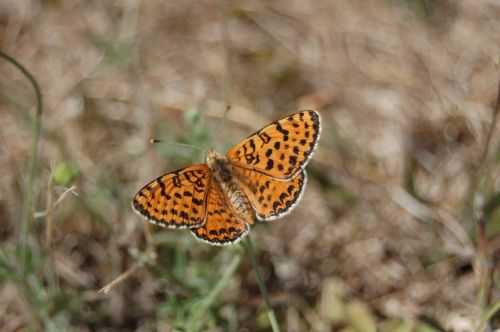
(247,243)
(28,190)
(200,310)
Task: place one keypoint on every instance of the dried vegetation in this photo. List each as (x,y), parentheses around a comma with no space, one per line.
(389,231)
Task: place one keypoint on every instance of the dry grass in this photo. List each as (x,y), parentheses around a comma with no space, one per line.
(387,233)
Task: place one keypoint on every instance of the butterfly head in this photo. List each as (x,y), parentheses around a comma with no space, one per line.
(217,162)
(213,158)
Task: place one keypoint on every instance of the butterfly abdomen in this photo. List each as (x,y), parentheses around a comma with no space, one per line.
(238,201)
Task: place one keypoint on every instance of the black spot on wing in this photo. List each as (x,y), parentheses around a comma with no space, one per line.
(270,164)
(281,130)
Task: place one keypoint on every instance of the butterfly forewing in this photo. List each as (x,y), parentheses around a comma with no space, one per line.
(270,198)
(176,199)
(282,148)
(221,227)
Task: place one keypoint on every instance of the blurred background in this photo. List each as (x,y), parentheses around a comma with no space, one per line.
(399,227)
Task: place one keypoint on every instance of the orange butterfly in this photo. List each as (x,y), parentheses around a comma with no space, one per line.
(260,179)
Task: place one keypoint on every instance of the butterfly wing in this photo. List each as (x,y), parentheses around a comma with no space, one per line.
(176,199)
(282,148)
(221,227)
(270,198)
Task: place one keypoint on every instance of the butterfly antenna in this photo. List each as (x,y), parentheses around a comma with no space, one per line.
(155,141)
(219,130)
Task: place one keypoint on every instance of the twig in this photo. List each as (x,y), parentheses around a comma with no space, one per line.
(480,222)
(121,278)
(484,263)
(496,110)
(45,213)
(28,191)
(48,215)
(247,243)
(149,237)
(490,275)
(142,259)
(48,233)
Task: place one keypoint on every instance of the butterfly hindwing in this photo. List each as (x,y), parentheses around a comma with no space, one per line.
(176,199)
(282,148)
(271,198)
(221,227)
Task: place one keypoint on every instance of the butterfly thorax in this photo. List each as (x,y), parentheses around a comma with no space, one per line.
(229,185)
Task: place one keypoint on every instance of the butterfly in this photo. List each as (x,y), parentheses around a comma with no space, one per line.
(260,179)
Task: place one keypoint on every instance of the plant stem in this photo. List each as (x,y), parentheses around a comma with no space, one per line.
(28,191)
(496,110)
(491,312)
(247,243)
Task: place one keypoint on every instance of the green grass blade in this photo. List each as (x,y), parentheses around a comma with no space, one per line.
(28,191)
